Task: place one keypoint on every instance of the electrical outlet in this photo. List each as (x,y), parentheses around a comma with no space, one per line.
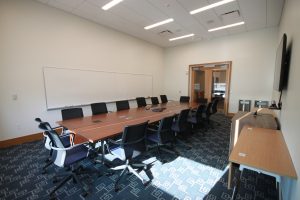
(14,97)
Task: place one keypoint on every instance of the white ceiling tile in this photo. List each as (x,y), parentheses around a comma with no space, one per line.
(43,1)
(254,13)
(190,5)
(237,29)
(274,10)
(87,10)
(130,17)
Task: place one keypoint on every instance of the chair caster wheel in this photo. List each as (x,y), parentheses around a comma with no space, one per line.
(55,180)
(53,197)
(85,194)
(146,183)
(117,189)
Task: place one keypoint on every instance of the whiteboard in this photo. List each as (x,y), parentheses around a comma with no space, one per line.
(75,87)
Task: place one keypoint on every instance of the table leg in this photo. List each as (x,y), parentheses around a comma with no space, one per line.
(230,175)
(103,151)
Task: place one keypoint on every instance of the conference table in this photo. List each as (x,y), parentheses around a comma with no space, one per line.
(100,127)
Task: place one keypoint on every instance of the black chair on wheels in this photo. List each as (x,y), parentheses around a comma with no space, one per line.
(214,106)
(141,102)
(122,105)
(64,136)
(196,117)
(71,113)
(99,108)
(207,114)
(132,144)
(154,100)
(184,99)
(180,125)
(163,98)
(162,134)
(66,156)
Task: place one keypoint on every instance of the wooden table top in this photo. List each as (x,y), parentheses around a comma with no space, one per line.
(103,126)
(263,149)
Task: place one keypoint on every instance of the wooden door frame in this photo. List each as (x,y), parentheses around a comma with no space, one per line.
(215,67)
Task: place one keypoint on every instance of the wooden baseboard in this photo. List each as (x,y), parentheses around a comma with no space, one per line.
(21,140)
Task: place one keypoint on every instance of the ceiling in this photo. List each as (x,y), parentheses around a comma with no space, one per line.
(131,16)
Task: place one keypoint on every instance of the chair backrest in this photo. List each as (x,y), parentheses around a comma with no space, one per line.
(184,99)
(163,98)
(165,130)
(202,101)
(208,109)
(201,108)
(71,113)
(214,106)
(122,105)
(133,139)
(154,100)
(98,108)
(182,118)
(141,101)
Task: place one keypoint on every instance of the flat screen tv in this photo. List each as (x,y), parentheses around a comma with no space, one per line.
(280,65)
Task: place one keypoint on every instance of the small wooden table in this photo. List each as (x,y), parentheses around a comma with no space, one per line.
(264,150)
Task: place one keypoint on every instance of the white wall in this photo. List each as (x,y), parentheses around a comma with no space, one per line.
(290,113)
(252,55)
(34,35)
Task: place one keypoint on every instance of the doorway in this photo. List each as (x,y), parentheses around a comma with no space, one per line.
(210,81)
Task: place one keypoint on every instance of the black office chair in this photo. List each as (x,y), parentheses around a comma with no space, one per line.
(71,113)
(162,134)
(196,117)
(131,145)
(184,99)
(180,125)
(154,100)
(214,106)
(207,113)
(65,156)
(141,102)
(64,136)
(163,98)
(122,105)
(99,108)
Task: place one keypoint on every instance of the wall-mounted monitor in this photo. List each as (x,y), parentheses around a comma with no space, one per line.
(280,65)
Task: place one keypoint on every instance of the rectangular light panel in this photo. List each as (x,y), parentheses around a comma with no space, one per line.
(210,6)
(111,4)
(159,23)
(227,26)
(181,37)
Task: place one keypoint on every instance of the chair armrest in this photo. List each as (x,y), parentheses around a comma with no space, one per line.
(66,148)
(114,141)
(152,129)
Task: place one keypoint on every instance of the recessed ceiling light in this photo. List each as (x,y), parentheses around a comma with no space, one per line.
(159,23)
(111,4)
(227,26)
(210,6)
(181,37)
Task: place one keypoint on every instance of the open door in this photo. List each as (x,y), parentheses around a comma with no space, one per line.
(209,81)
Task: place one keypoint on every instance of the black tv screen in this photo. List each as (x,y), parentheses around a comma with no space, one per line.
(280,64)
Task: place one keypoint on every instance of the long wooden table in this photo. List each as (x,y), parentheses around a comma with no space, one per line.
(103,126)
(264,150)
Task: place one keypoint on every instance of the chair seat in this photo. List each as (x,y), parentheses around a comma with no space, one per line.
(75,154)
(153,137)
(120,153)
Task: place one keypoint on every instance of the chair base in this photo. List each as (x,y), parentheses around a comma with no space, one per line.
(128,168)
(72,175)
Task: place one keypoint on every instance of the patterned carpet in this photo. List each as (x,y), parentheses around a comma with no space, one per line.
(198,173)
